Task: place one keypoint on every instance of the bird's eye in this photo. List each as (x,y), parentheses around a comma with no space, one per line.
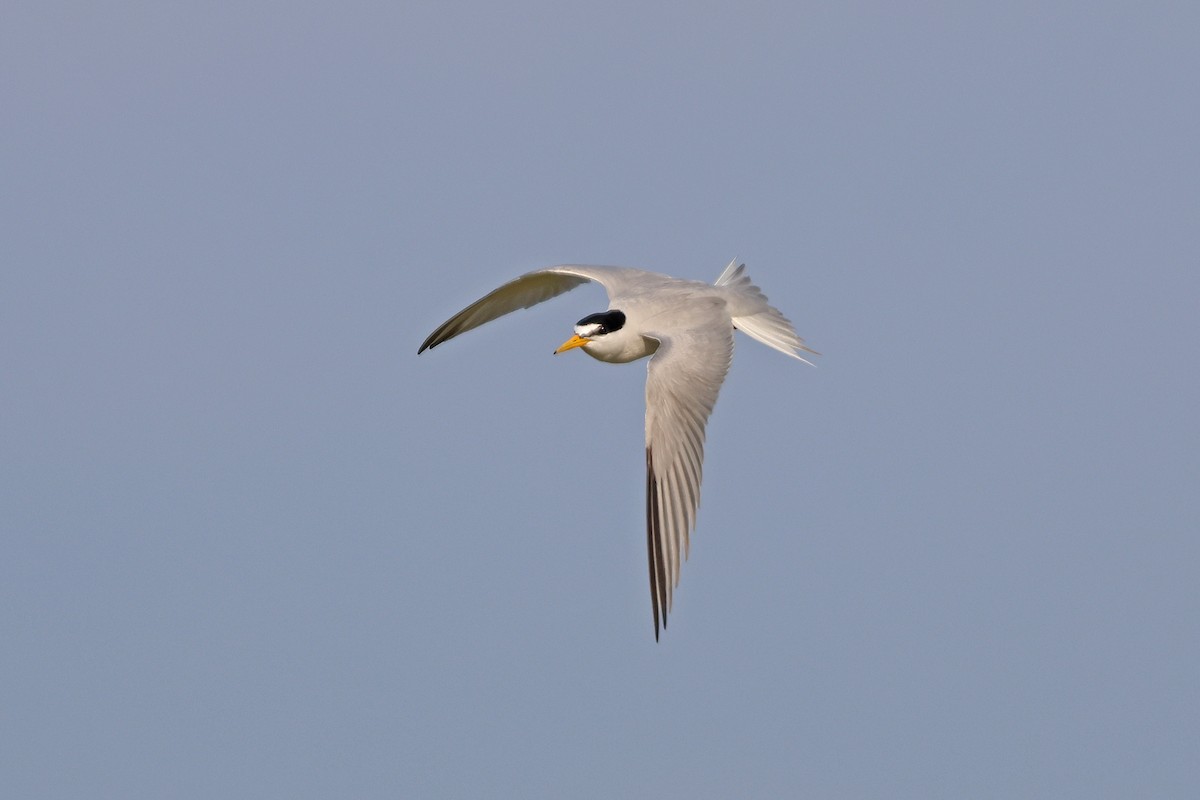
(605,322)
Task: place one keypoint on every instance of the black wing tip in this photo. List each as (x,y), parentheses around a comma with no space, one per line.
(654,546)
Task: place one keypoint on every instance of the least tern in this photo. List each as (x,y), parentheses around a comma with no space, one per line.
(687,326)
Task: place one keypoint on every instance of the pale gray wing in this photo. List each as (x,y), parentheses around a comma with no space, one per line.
(682,382)
(529,290)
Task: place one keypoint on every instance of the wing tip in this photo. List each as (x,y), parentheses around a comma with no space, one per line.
(660,590)
(431,341)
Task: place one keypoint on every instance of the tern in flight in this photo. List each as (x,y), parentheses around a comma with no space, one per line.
(687,326)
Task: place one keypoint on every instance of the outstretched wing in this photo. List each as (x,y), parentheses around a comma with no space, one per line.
(682,382)
(528,290)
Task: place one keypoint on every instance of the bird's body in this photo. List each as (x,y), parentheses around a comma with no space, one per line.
(687,326)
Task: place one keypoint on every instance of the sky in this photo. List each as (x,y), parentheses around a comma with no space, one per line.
(254,546)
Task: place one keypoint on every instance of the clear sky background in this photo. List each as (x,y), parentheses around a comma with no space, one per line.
(253,546)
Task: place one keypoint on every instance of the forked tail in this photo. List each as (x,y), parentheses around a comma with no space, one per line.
(753,316)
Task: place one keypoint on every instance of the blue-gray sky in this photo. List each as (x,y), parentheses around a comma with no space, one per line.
(255,547)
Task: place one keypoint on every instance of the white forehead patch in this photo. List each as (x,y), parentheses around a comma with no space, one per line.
(589,330)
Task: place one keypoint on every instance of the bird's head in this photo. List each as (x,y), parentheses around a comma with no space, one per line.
(592,330)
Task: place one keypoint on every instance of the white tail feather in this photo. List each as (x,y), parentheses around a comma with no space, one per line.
(753,316)
(733,275)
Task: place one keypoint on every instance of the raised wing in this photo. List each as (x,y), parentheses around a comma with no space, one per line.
(682,382)
(529,290)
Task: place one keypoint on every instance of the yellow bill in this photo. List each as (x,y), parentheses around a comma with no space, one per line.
(571,344)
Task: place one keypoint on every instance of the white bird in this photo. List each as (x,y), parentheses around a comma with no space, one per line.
(687,326)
